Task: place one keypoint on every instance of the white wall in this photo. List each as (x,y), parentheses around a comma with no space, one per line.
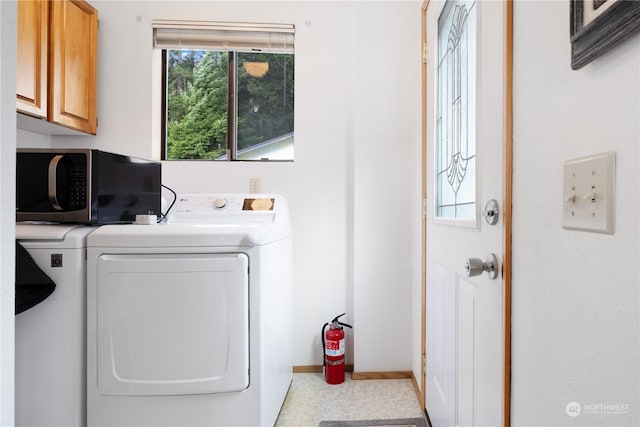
(575,294)
(7,206)
(385,125)
(353,186)
(27,139)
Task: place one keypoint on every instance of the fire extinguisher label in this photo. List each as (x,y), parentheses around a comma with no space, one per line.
(335,348)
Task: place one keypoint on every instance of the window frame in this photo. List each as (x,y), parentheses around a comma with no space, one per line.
(232,39)
(232,112)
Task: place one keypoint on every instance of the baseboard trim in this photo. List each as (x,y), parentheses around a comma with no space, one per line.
(306,369)
(416,387)
(377,375)
(382,375)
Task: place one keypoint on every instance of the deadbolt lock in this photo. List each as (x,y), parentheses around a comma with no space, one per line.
(491,212)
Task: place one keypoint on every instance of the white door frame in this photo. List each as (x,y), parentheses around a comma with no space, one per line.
(507,208)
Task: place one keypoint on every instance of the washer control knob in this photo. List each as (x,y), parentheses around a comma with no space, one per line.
(219,204)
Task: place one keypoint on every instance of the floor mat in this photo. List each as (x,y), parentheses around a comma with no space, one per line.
(398,422)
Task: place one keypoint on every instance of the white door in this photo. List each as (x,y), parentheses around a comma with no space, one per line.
(465,137)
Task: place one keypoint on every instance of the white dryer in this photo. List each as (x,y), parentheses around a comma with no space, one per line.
(50,373)
(189,322)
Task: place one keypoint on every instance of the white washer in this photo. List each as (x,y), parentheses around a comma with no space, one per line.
(189,323)
(50,371)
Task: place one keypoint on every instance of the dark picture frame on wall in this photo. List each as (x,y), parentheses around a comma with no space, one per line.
(597,26)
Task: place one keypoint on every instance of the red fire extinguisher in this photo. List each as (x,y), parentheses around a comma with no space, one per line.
(333,351)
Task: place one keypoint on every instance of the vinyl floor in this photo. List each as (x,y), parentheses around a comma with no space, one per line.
(311,400)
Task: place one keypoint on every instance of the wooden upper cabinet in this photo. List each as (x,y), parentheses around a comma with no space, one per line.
(32,57)
(70,42)
(74,43)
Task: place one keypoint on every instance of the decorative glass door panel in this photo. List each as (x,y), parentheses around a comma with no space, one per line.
(455,167)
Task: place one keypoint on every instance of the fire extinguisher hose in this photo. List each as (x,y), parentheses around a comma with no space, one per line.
(324,349)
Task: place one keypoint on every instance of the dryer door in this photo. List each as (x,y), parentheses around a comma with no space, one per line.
(172,323)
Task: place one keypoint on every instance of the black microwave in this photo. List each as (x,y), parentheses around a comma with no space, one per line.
(85,186)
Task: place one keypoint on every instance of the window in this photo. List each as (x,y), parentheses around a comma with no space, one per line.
(455,112)
(228,90)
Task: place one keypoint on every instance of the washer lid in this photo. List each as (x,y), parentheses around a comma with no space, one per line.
(58,236)
(185,235)
(34,231)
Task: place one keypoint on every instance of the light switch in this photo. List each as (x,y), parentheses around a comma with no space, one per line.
(588,193)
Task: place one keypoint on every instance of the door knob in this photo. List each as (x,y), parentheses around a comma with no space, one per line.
(476,266)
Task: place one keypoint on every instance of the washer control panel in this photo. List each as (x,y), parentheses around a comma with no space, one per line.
(217,208)
(220,203)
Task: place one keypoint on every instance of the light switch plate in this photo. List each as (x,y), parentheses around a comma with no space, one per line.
(588,193)
(255,186)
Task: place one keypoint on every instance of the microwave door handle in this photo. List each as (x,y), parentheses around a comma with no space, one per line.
(53,184)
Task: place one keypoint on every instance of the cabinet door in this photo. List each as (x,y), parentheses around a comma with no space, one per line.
(33,40)
(72,83)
